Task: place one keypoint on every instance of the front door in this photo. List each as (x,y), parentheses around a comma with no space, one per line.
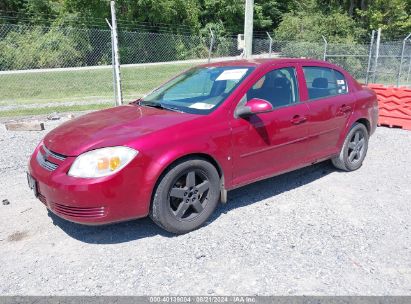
(270,143)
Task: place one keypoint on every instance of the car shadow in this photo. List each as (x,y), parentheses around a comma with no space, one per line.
(244,196)
(270,187)
(110,233)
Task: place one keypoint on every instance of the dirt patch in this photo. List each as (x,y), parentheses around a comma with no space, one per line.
(17,236)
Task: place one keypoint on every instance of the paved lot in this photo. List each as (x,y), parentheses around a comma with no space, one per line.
(315,231)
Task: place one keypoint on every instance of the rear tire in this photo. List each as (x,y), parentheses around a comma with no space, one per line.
(354,149)
(186,196)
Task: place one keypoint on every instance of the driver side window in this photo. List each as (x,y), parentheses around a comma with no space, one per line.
(279,87)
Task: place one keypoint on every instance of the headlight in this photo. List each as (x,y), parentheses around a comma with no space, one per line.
(101,162)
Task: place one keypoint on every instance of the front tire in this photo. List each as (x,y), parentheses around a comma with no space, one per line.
(186,196)
(354,149)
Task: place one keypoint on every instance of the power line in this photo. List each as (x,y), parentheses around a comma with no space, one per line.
(100,22)
(124,27)
(124,24)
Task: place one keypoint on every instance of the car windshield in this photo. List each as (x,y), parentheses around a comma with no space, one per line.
(198,90)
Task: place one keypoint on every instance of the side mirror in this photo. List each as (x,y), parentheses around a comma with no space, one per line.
(254,106)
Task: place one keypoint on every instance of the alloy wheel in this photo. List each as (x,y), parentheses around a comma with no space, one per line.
(188,195)
(356,147)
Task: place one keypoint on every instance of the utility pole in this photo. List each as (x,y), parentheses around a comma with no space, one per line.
(116,53)
(248,28)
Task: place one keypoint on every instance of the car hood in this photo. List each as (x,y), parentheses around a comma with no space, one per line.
(110,127)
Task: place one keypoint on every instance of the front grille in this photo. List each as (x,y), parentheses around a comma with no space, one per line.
(54,154)
(83,212)
(43,156)
(45,163)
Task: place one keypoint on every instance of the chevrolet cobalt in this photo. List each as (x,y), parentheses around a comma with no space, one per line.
(175,153)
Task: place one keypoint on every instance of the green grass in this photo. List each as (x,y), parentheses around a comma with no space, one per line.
(83,85)
(47,110)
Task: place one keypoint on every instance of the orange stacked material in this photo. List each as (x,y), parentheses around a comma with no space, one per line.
(394,106)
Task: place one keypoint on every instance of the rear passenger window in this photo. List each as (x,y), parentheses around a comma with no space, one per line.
(324,82)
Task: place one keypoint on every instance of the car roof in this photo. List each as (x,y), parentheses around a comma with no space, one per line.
(265,61)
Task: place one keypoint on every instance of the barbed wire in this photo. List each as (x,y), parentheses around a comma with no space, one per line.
(95,22)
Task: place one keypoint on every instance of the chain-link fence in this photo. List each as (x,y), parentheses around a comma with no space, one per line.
(391,64)
(72,68)
(387,63)
(44,65)
(148,59)
(352,57)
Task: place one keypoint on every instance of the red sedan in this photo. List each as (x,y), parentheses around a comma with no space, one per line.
(175,153)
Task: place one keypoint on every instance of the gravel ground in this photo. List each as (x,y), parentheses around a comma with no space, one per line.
(315,231)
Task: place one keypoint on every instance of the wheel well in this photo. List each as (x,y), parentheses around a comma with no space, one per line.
(365,122)
(201,156)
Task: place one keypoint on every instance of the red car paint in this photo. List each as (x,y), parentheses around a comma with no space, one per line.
(244,150)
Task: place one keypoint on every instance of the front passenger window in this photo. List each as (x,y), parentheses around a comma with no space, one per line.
(279,87)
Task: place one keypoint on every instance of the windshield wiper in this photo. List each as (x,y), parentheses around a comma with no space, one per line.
(158,105)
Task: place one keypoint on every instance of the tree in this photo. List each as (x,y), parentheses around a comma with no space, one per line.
(393,17)
(36,47)
(83,13)
(40,11)
(336,27)
(342,20)
(10,9)
(165,14)
(226,15)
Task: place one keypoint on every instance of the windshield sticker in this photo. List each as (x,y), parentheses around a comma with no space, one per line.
(201,106)
(340,82)
(232,74)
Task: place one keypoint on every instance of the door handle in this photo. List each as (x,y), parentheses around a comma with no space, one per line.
(297,119)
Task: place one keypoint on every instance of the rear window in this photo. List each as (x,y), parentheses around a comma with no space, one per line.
(324,82)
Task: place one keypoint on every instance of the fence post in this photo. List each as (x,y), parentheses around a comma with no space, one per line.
(211,44)
(112,63)
(402,58)
(370,56)
(271,45)
(325,48)
(116,53)
(377,54)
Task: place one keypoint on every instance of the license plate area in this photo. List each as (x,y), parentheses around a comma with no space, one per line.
(32,184)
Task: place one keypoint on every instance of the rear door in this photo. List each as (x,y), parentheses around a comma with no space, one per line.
(330,103)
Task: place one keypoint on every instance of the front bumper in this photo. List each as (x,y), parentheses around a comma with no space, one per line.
(119,197)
